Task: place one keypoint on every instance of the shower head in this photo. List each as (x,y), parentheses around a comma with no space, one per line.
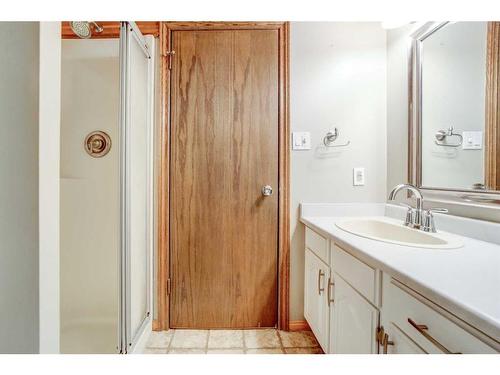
(83,29)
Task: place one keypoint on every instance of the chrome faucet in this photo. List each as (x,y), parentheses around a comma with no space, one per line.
(417,217)
(414,215)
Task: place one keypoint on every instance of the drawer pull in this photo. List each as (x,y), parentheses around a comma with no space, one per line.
(320,275)
(330,287)
(422,329)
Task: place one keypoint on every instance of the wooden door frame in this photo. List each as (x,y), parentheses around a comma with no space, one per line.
(492,131)
(161,321)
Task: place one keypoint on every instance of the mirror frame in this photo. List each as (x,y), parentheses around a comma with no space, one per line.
(450,195)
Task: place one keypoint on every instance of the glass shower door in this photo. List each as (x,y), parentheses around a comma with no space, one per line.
(136,183)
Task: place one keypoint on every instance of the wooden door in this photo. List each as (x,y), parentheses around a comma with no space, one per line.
(224,149)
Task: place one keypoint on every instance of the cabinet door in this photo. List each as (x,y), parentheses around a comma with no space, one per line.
(401,344)
(316,309)
(355,321)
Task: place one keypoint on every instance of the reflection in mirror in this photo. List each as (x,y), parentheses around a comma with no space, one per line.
(457,106)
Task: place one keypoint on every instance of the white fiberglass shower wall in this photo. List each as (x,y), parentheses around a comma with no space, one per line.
(106,200)
(90,197)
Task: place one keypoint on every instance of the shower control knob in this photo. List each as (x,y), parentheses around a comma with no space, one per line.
(267,190)
(97,144)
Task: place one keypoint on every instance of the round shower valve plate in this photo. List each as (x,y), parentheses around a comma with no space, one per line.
(97,144)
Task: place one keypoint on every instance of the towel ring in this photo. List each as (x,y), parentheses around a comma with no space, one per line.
(441,136)
(331,137)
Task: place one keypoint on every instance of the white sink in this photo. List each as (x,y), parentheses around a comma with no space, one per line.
(393,231)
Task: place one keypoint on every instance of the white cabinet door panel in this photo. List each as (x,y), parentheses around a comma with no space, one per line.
(355,321)
(316,309)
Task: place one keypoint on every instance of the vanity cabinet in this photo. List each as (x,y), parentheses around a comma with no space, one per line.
(355,308)
(339,292)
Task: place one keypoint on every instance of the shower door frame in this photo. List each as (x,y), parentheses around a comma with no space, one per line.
(127,340)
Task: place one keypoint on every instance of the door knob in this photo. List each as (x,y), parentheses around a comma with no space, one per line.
(267,190)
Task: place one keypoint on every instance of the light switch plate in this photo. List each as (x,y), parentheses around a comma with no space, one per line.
(473,140)
(301,141)
(358,176)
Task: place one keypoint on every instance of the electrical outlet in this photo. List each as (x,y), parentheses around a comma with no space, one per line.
(358,176)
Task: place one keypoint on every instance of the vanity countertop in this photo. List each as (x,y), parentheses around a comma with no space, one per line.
(464,281)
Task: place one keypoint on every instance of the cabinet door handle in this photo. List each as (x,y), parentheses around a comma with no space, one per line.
(387,343)
(330,287)
(422,329)
(383,339)
(320,275)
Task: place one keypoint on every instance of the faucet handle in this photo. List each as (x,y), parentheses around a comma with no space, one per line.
(410,213)
(429,225)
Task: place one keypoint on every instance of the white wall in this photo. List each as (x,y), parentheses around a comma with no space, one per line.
(19,187)
(49,124)
(453,94)
(338,78)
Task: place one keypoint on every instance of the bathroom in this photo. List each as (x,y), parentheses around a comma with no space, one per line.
(235,187)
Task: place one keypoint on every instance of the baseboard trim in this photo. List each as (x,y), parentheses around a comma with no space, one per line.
(298,325)
(294,325)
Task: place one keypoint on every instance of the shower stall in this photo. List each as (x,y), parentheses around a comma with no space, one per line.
(107,117)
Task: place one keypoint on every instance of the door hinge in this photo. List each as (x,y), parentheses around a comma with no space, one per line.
(169,286)
(170,55)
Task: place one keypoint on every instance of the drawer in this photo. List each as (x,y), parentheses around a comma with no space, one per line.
(317,244)
(429,329)
(361,276)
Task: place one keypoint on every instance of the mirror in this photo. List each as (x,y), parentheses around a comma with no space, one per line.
(455,109)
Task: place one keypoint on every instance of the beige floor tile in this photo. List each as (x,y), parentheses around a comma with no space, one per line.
(225,351)
(154,351)
(303,351)
(304,339)
(186,351)
(159,339)
(261,338)
(225,339)
(265,351)
(189,338)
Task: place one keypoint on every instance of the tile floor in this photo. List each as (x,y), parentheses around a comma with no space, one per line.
(262,341)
